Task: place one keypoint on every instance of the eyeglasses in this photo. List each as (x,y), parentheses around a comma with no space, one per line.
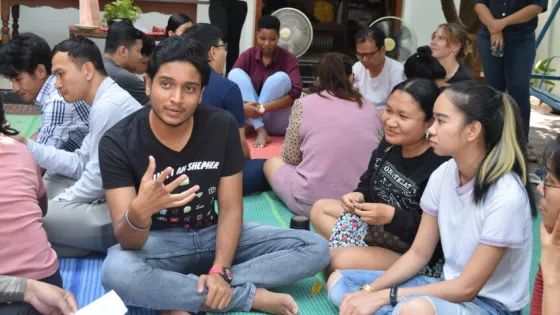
(546,186)
(222,45)
(366,55)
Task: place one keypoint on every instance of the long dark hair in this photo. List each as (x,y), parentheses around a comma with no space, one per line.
(423,91)
(502,129)
(333,71)
(175,21)
(5,130)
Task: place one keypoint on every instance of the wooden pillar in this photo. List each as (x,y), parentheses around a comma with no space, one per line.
(5,21)
(258,15)
(15,20)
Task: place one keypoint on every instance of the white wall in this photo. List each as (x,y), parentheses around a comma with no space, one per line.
(423,17)
(52,25)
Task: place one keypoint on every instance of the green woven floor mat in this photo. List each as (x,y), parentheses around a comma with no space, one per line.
(266,208)
(27,125)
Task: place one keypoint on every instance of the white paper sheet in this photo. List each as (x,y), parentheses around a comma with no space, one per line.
(109,304)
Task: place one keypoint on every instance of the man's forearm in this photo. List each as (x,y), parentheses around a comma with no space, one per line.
(12,289)
(283,102)
(524,15)
(484,14)
(70,164)
(230,223)
(128,237)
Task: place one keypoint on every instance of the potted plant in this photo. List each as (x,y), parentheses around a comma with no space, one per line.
(121,10)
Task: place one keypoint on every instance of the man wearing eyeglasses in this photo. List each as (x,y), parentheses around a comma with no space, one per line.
(225,94)
(375,75)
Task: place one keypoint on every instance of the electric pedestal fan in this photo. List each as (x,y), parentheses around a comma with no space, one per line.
(401,40)
(296,31)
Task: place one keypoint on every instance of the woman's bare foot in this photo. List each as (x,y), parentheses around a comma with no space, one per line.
(274,303)
(174,313)
(262,138)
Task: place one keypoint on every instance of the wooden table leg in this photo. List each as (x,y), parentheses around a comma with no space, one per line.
(15,20)
(5,22)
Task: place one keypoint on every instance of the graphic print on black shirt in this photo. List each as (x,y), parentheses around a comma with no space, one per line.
(212,152)
(399,183)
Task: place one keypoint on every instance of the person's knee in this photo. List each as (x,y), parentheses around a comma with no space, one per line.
(271,166)
(316,248)
(318,210)
(281,76)
(416,306)
(236,73)
(120,270)
(335,292)
(333,278)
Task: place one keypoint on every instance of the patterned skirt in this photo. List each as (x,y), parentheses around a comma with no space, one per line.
(349,230)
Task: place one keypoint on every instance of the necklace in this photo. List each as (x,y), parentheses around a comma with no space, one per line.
(453,73)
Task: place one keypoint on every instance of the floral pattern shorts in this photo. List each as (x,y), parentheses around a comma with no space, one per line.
(349,230)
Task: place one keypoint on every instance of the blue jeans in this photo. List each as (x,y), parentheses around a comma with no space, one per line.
(353,280)
(512,72)
(254,180)
(276,86)
(164,274)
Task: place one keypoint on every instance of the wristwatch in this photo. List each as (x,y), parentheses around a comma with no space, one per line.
(222,271)
(393,296)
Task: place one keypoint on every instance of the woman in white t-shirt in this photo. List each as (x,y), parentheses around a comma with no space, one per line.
(375,75)
(478,204)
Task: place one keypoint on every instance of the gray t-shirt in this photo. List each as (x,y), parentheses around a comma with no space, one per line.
(128,81)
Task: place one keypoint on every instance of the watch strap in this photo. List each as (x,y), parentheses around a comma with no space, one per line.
(393,295)
(215,270)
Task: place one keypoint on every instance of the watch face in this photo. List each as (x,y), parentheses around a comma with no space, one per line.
(228,274)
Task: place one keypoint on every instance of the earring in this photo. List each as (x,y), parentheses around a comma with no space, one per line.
(427,136)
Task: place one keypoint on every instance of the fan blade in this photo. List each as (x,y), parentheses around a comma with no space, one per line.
(403,33)
(385,26)
(404,53)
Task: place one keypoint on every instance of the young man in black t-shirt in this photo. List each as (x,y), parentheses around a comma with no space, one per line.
(163,169)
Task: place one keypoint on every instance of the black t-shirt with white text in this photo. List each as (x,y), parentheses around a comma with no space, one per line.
(212,152)
(400,183)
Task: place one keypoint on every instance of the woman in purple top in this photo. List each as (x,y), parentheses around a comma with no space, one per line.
(269,79)
(321,159)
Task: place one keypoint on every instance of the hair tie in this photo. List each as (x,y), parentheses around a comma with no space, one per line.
(469,47)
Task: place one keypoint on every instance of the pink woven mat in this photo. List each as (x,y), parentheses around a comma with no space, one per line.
(273,148)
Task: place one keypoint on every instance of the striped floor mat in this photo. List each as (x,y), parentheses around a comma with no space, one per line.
(82,276)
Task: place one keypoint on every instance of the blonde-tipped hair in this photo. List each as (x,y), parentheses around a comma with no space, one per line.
(507,152)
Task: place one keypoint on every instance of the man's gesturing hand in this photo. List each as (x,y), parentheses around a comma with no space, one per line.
(154,196)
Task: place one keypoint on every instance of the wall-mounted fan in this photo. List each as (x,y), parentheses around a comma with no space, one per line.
(401,40)
(296,31)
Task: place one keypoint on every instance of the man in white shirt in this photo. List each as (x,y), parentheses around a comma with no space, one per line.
(26,61)
(78,220)
(375,75)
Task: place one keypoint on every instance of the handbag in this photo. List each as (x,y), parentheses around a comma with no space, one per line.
(376,235)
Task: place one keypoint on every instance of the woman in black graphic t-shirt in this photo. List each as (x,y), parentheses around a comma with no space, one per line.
(370,227)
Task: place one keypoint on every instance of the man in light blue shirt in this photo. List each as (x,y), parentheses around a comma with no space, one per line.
(26,60)
(78,219)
